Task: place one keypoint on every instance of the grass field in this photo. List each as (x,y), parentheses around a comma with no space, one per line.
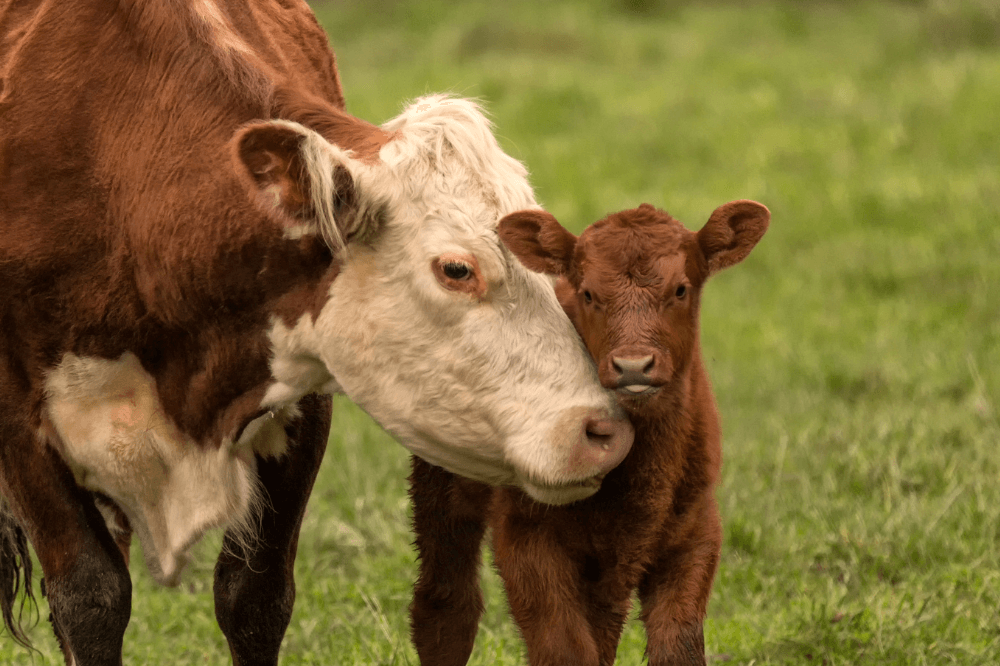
(855,355)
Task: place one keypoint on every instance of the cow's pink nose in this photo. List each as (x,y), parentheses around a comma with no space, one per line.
(605,442)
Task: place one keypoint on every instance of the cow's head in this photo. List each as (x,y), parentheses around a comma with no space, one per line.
(632,284)
(432,325)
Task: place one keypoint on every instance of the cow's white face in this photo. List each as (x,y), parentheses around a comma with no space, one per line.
(433,327)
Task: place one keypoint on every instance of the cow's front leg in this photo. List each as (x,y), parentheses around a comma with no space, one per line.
(254,583)
(675,591)
(449,520)
(87,582)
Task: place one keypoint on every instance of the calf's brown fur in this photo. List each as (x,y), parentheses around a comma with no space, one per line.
(632,285)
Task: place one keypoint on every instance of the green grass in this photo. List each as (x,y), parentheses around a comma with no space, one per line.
(855,355)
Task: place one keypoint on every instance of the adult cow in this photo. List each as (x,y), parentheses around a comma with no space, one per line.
(195,240)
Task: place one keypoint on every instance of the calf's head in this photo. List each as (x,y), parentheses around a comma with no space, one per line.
(431,324)
(632,284)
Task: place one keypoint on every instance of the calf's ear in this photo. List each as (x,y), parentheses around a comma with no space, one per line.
(731,232)
(538,240)
(300,177)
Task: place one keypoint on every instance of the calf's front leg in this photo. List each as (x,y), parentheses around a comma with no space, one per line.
(254,583)
(543,586)
(674,592)
(449,521)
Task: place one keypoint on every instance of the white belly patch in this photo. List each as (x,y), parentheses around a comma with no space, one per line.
(114,435)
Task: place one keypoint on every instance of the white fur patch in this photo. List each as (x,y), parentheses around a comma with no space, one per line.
(223,35)
(112,431)
(232,54)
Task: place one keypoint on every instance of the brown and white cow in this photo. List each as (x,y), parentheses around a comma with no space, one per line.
(632,284)
(196,240)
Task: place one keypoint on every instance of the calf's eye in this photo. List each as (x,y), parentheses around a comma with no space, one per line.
(456,270)
(681,291)
(587,298)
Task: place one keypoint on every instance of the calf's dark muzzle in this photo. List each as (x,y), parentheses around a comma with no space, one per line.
(634,371)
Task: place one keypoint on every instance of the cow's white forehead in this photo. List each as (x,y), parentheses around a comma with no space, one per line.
(444,148)
(447,182)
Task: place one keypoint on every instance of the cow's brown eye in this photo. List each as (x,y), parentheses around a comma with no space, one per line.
(587,298)
(681,291)
(456,271)
(459,273)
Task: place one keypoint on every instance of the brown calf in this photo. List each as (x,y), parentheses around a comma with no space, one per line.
(632,285)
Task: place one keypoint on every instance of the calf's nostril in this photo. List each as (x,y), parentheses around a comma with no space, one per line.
(642,365)
(633,370)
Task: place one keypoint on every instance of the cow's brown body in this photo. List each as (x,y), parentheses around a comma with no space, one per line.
(93,97)
(150,92)
(632,285)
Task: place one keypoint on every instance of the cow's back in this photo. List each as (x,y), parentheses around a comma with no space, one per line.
(122,224)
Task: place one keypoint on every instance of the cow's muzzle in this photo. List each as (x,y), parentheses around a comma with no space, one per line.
(603,443)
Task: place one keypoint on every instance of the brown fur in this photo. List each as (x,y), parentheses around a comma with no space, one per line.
(124,228)
(654,525)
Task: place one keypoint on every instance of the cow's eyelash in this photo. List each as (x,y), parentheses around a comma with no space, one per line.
(457,270)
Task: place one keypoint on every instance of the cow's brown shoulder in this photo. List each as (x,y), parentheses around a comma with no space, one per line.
(125,227)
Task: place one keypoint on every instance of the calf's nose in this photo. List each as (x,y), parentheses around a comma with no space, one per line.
(604,442)
(633,370)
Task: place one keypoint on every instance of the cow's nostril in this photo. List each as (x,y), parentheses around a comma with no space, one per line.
(595,439)
(600,432)
(608,440)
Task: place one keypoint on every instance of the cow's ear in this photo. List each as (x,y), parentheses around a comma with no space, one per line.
(731,232)
(298,175)
(538,240)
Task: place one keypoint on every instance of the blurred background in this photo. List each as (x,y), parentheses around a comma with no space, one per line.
(855,354)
